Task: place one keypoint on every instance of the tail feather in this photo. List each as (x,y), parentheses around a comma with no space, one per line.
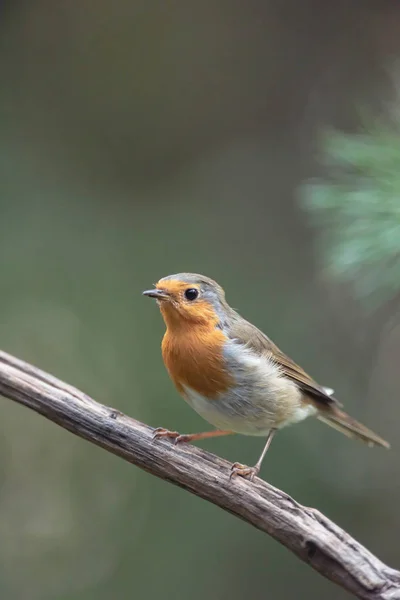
(342,422)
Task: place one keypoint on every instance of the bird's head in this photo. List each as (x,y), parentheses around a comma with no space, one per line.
(188,299)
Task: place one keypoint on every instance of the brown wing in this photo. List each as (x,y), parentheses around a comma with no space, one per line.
(253,338)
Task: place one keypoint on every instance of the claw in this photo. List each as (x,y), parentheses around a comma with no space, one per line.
(182,438)
(161,432)
(239,470)
(237,465)
(177,438)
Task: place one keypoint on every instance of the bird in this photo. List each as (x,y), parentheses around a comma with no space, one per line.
(233,375)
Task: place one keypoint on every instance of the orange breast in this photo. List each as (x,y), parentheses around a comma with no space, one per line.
(194,357)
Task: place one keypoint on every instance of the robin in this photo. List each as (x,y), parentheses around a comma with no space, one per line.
(233,375)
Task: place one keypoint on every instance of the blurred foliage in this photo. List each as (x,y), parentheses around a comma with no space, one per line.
(357,210)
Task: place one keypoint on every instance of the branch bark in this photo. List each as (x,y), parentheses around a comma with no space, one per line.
(310,535)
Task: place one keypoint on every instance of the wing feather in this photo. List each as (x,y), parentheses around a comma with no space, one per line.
(249,335)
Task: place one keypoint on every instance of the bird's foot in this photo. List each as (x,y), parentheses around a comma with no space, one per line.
(161,432)
(239,470)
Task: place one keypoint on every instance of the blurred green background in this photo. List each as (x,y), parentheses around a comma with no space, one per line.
(140,139)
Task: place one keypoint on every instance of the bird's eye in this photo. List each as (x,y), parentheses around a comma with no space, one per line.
(191,294)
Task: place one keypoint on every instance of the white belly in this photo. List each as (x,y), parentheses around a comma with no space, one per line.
(263,398)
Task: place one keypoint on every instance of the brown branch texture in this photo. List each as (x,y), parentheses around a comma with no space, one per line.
(310,535)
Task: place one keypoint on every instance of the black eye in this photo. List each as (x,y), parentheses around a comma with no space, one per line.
(191,294)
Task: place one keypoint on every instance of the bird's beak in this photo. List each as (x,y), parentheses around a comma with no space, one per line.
(158,294)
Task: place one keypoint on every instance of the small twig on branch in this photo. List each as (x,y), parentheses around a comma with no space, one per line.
(310,535)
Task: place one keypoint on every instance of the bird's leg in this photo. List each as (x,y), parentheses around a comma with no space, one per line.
(160,432)
(239,470)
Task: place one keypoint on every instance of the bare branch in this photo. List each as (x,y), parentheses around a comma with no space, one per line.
(310,535)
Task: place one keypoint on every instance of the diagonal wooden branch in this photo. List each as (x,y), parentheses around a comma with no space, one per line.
(305,531)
